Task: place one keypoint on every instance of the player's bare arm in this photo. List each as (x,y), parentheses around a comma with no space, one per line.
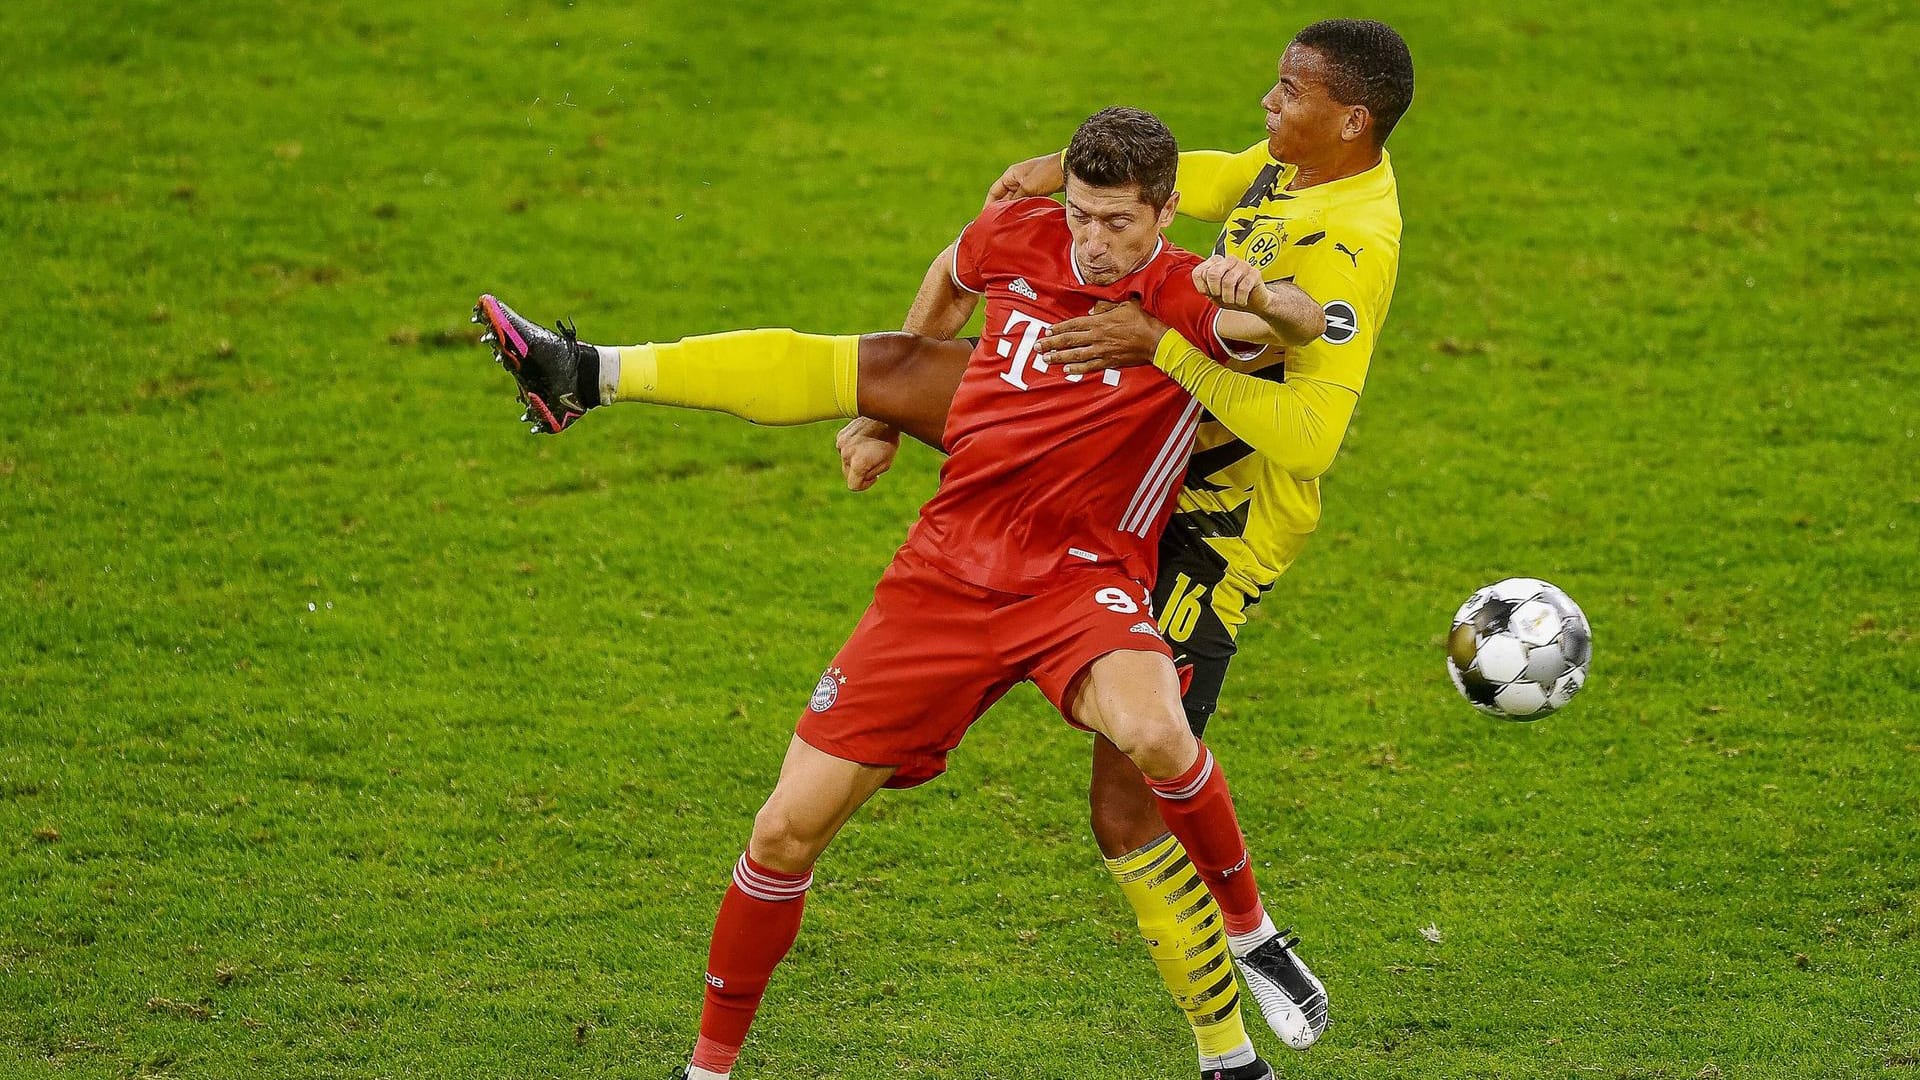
(1040,176)
(1124,335)
(941,307)
(1112,336)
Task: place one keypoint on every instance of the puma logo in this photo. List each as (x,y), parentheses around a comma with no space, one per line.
(1351,253)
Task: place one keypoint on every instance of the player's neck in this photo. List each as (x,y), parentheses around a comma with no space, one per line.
(1313,174)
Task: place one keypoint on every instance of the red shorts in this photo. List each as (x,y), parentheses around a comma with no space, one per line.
(933,653)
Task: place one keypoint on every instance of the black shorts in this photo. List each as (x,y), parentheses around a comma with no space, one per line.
(1183,596)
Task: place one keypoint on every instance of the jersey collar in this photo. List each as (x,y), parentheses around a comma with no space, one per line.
(1379,173)
(1073,262)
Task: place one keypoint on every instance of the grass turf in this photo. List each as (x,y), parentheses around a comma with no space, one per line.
(348,731)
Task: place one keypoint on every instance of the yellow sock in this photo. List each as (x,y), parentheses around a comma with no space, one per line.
(766,376)
(1187,940)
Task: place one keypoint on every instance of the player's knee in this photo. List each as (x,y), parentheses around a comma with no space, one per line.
(783,842)
(1158,741)
(903,383)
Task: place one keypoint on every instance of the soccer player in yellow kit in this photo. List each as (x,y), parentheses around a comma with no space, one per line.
(1315,204)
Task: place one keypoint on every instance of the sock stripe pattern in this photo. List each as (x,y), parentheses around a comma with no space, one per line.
(1215,936)
(1180,866)
(1181,792)
(1186,943)
(1166,848)
(764,885)
(1186,887)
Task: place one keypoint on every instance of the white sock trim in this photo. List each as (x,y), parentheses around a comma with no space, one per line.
(1194,786)
(609,375)
(1242,944)
(695,1072)
(1232,1059)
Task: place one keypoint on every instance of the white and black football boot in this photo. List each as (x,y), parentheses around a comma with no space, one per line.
(1290,997)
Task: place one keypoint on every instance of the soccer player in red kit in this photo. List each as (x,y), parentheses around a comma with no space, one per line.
(1031,562)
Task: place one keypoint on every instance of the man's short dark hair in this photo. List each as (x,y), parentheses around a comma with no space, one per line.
(1118,146)
(1367,64)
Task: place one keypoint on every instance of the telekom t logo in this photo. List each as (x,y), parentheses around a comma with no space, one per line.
(1030,329)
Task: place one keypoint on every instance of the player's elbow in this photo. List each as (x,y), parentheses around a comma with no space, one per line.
(1301,325)
(1317,430)
(1308,328)
(1311,464)
(1302,462)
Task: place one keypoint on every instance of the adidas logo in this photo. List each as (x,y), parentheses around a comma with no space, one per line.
(1020,286)
(1143,628)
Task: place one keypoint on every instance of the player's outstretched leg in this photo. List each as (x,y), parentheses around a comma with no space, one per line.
(1133,698)
(771,376)
(759,919)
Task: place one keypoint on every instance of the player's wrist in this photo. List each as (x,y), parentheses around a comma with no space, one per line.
(1263,302)
(1168,352)
(1056,170)
(866,427)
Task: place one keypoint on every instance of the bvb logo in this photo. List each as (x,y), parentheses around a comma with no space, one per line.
(1264,246)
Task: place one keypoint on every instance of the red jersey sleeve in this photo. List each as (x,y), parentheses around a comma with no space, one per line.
(1002,226)
(1179,304)
(971,251)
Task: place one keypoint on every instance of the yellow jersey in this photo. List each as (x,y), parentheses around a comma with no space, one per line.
(1252,494)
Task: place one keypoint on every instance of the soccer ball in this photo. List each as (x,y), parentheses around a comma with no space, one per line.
(1519,649)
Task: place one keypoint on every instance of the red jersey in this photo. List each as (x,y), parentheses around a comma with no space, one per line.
(1047,471)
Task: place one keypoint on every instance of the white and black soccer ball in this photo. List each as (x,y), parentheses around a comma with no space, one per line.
(1519,649)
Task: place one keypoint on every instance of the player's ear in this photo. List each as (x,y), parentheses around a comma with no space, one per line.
(1166,212)
(1358,121)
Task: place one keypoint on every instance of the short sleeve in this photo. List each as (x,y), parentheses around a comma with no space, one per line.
(972,251)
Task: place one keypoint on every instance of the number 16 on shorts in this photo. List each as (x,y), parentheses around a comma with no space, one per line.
(1184,608)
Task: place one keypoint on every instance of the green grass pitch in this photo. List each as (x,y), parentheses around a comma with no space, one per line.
(346,730)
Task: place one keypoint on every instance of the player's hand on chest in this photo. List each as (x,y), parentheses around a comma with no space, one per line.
(1017,343)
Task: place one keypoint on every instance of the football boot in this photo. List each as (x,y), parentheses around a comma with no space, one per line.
(1291,999)
(547,364)
(1252,1070)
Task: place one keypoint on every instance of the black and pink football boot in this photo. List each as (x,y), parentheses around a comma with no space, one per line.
(558,375)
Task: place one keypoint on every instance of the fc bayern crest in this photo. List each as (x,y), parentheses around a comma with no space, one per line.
(827,690)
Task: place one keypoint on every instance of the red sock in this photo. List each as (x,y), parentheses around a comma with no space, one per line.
(759,920)
(1198,810)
